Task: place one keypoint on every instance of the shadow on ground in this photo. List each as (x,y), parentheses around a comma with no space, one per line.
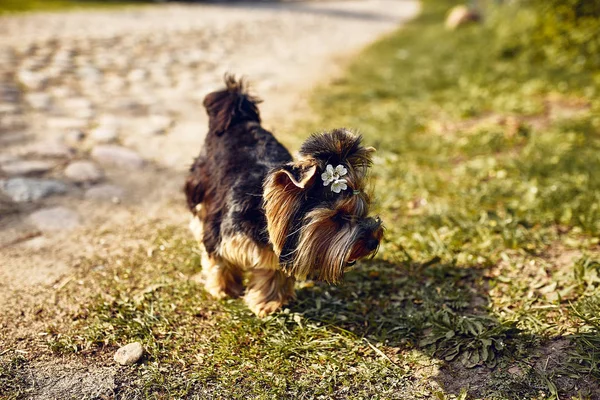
(444,310)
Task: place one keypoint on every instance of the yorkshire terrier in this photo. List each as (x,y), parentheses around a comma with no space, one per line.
(258,212)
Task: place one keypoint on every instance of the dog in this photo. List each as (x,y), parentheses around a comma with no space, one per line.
(257,212)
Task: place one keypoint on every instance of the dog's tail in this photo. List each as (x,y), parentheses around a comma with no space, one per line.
(230,106)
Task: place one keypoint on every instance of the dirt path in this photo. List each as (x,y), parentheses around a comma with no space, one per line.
(75,85)
(100,114)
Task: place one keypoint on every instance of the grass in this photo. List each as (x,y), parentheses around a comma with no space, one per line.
(15,6)
(487,285)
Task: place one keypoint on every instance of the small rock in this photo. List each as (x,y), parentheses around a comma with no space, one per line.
(7,158)
(9,93)
(32,80)
(78,103)
(105,192)
(39,101)
(66,123)
(137,75)
(129,354)
(83,171)
(27,189)
(36,243)
(13,137)
(62,92)
(461,15)
(55,219)
(74,136)
(49,149)
(9,108)
(81,108)
(7,206)
(157,125)
(89,73)
(104,134)
(27,167)
(118,156)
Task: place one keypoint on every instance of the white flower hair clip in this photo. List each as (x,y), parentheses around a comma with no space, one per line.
(334,176)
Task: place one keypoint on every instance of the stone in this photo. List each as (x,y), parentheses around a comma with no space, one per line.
(7,158)
(157,125)
(66,123)
(39,101)
(13,137)
(129,354)
(9,108)
(109,121)
(9,93)
(78,103)
(7,205)
(118,156)
(137,75)
(461,15)
(51,148)
(55,219)
(83,171)
(32,80)
(90,74)
(28,189)
(63,58)
(81,108)
(74,136)
(27,167)
(104,134)
(105,192)
(129,106)
(62,92)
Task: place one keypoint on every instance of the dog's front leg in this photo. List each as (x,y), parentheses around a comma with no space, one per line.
(221,279)
(268,290)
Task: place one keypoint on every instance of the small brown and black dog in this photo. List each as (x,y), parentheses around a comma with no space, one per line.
(256,211)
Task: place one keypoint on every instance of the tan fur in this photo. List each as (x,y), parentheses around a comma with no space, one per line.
(196,228)
(268,291)
(220,278)
(242,251)
(282,195)
(324,243)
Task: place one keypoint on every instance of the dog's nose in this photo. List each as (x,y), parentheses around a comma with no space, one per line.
(372,244)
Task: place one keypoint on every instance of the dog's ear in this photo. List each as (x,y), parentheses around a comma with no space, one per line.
(284,190)
(301,177)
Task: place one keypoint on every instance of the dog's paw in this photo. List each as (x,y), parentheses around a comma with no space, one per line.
(231,291)
(263,309)
(218,289)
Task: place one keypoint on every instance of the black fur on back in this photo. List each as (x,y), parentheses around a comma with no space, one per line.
(227,177)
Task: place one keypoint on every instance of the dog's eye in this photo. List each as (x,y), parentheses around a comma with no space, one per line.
(350,263)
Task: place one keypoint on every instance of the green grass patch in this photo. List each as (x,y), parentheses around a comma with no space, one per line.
(487,284)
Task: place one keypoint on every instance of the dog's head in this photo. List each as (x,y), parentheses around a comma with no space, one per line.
(317,208)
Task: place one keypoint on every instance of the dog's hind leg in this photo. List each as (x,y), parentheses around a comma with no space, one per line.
(220,278)
(268,290)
